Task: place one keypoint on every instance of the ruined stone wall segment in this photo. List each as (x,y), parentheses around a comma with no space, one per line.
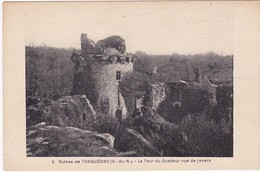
(159,94)
(88,46)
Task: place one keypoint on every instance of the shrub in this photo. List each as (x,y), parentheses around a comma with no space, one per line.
(203,137)
(105,124)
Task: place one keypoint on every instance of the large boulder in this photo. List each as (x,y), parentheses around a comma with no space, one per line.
(149,135)
(75,111)
(162,135)
(127,139)
(43,140)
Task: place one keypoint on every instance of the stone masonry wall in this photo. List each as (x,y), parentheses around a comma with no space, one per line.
(104,74)
(97,80)
(158,94)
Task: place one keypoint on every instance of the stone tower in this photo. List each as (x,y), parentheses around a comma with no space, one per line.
(98,71)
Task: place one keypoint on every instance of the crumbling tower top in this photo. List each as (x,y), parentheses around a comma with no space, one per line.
(88,46)
(111,49)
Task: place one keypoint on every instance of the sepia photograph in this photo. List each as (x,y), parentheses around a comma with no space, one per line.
(131,85)
(156,89)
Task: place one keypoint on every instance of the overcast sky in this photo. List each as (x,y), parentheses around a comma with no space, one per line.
(152,28)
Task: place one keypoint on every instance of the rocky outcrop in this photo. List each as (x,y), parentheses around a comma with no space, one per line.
(159,133)
(147,135)
(127,139)
(73,111)
(43,141)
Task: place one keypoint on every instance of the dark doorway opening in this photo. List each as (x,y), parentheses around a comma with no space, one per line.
(84,117)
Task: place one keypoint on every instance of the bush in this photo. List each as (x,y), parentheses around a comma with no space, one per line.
(105,124)
(204,138)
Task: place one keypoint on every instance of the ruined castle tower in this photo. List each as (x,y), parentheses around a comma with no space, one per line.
(98,71)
